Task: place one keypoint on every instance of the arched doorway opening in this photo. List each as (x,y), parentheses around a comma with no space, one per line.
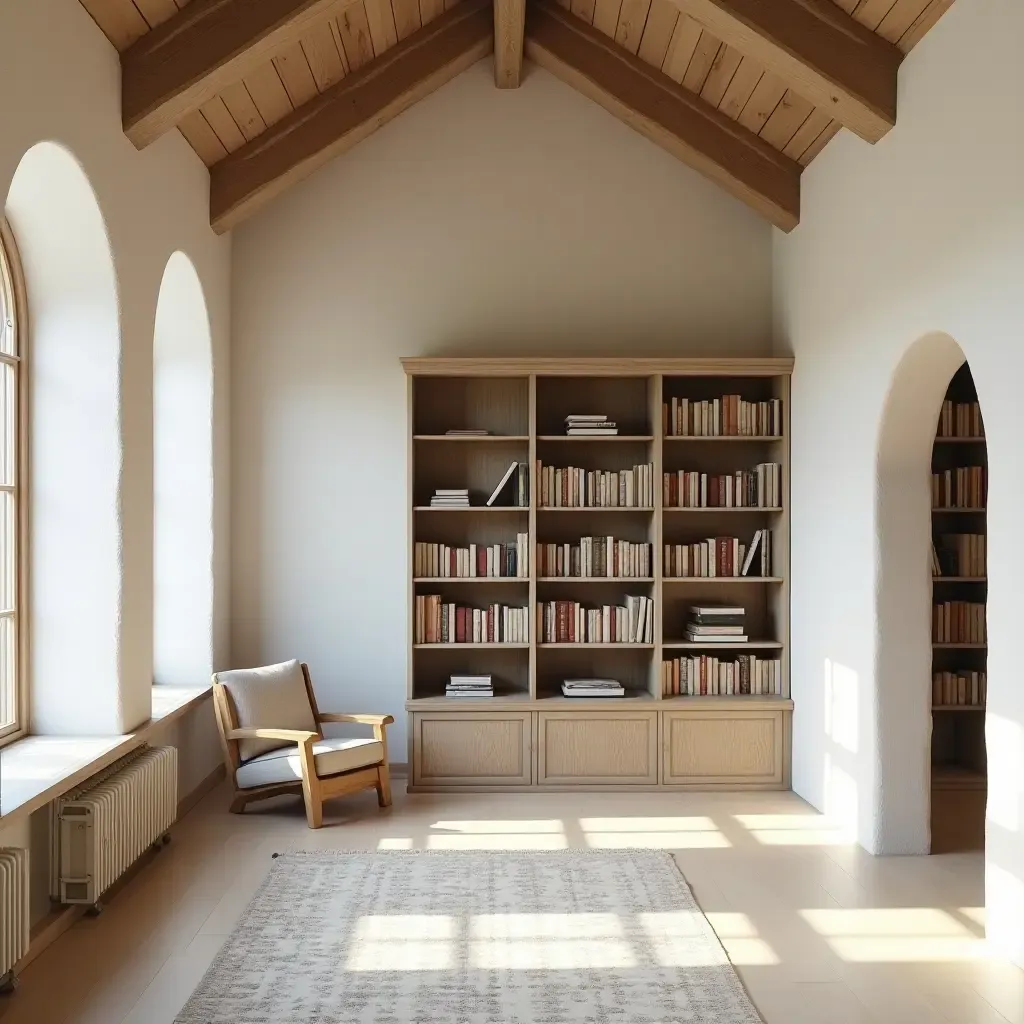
(182,480)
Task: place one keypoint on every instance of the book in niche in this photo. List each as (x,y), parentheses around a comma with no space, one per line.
(521,496)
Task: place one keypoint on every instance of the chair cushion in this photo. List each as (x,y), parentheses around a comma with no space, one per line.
(272,697)
(331,756)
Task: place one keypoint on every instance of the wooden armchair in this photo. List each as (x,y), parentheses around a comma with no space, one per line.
(272,736)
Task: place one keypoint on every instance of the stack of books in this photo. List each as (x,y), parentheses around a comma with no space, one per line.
(450,497)
(467,433)
(590,426)
(466,687)
(716,624)
(593,688)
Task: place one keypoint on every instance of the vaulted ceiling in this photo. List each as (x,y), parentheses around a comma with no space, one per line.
(748,92)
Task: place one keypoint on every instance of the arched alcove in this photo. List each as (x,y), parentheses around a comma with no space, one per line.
(183,480)
(74,473)
(903,594)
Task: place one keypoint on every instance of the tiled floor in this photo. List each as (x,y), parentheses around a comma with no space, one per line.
(820,932)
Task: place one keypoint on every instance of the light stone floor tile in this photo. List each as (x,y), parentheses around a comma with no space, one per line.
(819,931)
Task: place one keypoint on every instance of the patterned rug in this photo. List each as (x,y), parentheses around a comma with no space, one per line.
(435,937)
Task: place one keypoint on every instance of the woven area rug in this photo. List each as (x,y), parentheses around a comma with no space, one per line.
(472,938)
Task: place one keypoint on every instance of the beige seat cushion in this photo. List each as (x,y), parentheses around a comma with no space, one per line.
(331,756)
(272,697)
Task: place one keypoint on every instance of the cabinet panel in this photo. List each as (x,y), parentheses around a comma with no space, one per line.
(596,747)
(724,747)
(487,749)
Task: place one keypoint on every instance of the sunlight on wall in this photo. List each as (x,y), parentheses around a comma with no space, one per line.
(182,479)
(842,797)
(75,607)
(841,706)
(1004,740)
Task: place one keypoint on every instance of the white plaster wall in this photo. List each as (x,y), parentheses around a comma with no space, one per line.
(923,232)
(480,222)
(153,203)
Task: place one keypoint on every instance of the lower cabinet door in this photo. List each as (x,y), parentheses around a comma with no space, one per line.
(725,747)
(486,749)
(597,748)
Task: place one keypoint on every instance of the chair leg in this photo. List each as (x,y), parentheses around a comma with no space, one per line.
(238,804)
(383,786)
(314,813)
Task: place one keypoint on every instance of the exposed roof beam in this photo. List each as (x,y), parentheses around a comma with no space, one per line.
(509,18)
(818,49)
(348,112)
(666,113)
(206,46)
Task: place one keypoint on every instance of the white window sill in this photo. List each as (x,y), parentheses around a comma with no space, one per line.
(38,769)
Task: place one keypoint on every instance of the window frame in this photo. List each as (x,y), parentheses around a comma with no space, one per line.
(12,281)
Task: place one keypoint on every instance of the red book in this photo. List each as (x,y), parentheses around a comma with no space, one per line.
(460,625)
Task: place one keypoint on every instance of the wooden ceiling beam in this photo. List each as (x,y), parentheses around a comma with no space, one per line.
(348,112)
(206,46)
(817,48)
(509,19)
(666,113)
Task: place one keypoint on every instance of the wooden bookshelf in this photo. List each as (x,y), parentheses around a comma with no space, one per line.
(958,728)
(528,735)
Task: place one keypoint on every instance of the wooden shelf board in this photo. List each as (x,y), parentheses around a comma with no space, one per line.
(960,440)
(716,508)
(595,579)
(980,508)
(722,579)
(471,579)
(470,647)
(746,700)
(639,438)
(959,579)
(958,707)
(576,647)
(472,438)
(595,508)
(959,647)
(687,645)
(500,702)
(725,437)
(473,508)
(948,777)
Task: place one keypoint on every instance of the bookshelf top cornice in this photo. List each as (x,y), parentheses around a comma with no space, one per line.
(740,366)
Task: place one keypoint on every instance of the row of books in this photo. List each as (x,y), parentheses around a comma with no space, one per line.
(950,689)
(513,490)
(959,554)
(595,425)
(960,419)
(569,622)
(707,676)
(719,556)
(760,487)
(717,624)
(573,487)
(595,557)
(963,487)
(443,622)
(439,561)
(469,687)
(958,622)
(728,416)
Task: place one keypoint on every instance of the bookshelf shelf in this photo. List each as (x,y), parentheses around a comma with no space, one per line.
(470,647)
(958,707)
(669,581)
(959,647)
(591,438)
(947,511)
(750,645)
(528,735)
(473,438)
(960,440)
(625,580)
(471,579)
(959,579)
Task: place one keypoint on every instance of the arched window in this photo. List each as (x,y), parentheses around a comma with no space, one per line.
(12,697)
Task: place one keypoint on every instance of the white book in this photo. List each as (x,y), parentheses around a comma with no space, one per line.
(501,484)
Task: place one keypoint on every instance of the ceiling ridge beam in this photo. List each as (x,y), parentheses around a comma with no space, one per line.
(818,49)
(206,46)
(509,18)
(342,116)
(666,113)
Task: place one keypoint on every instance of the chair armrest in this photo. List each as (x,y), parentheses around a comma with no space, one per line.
(286,735)
(358,719)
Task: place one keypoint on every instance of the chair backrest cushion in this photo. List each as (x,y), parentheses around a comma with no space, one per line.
(271,697)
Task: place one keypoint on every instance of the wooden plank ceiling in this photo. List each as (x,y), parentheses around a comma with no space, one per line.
(350,35)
